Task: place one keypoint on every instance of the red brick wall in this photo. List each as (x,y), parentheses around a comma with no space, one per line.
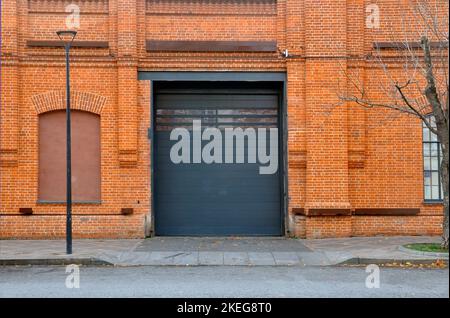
(339,157)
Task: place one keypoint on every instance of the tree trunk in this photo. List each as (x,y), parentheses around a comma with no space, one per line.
(441,121)
(444,182)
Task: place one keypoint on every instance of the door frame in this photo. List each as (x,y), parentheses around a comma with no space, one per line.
(192,76)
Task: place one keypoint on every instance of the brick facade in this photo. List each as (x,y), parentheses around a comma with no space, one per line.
(339,158)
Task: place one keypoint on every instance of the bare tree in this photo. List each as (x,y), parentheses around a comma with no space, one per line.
(419,42)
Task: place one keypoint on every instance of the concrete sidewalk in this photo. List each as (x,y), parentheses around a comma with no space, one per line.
(183,251)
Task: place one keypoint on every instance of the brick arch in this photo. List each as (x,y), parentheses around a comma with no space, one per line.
(56,100)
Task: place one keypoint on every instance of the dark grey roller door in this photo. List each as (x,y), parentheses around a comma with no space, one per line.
(215,198)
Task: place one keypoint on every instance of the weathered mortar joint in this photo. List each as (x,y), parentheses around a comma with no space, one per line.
(127,158)
(297,159)
(8,157)
(356,159)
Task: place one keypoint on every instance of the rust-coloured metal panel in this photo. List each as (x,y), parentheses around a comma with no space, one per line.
(408,45)
(388,211)
(211,46)
(85,156)
(57,43)
(328,212)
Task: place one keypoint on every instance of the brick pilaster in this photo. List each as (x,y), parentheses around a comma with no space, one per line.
(326,122)
(356,16)
(126,82)
(9,123)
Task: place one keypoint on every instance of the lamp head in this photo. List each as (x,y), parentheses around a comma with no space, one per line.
(66,36)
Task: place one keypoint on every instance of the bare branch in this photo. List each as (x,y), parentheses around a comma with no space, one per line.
(414,110)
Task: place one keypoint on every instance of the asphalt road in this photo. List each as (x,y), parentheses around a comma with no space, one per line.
(211,281)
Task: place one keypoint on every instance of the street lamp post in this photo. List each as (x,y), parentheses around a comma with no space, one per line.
(67,38)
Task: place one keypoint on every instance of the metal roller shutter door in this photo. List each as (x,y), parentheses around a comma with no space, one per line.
(215,199)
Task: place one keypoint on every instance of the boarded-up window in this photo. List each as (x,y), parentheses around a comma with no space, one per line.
(85,156)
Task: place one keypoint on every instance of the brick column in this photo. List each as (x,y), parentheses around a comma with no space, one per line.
(9,111)
(326,123)
(127,82)
(281,23)
(356,37)
(296,115)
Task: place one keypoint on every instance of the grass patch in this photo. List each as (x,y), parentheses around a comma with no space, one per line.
(427,247)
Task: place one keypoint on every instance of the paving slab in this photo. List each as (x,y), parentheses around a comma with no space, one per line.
(240,251)
(222,244)
(261,258)
(286,258)
(315,259)
(57,248)
(132,258)
(187,259)
(163,258)
(369,248)
(210,258)
(236,258)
